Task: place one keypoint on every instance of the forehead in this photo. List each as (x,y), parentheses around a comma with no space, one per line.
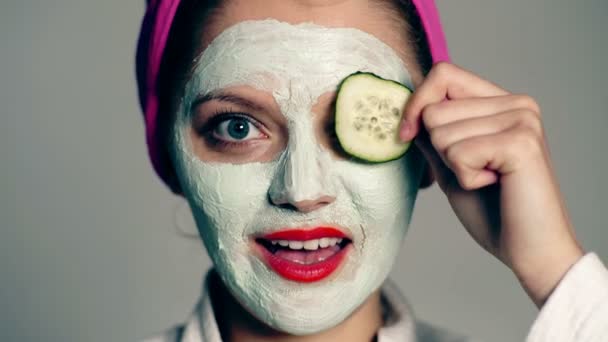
(365,15)
(293,61)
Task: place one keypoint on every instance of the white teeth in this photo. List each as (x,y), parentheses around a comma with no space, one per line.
(324,242)
(311,245)
(296,244)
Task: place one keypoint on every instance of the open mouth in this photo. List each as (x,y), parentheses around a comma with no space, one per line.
(304,255)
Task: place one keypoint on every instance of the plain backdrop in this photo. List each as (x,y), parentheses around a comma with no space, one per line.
(89,249)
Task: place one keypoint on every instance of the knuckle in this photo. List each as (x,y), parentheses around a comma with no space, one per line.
(465,179)
(527,141)
(530,121)
(452,156)
(429,116)
(528,102)
(437,136)
(468,182)
(442,68)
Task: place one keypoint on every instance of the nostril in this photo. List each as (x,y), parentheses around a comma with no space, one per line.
(308,206)
(288,206)
(317,206)
(325,200)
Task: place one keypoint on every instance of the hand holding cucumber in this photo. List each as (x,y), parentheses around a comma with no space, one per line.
(487,150)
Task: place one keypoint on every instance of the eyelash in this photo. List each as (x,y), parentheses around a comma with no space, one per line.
(219,117)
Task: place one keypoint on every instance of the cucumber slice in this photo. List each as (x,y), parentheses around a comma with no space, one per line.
(368,114)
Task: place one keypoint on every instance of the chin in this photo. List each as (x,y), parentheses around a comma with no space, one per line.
(305,307)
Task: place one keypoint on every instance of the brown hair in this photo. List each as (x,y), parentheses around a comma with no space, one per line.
(184,45)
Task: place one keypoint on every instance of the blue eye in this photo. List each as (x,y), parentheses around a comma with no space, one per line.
(236,129)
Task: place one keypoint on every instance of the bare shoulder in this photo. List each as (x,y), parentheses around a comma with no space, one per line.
(426,332)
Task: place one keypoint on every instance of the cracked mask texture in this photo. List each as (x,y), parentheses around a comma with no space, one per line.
(230,202)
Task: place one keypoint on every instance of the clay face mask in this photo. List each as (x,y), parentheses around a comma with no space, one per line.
(230,202)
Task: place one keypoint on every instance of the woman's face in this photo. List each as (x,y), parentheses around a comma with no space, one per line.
(300,234)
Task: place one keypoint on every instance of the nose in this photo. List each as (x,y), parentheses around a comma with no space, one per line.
(303,180)
(304,206)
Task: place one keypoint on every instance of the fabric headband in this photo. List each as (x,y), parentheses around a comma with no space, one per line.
(153,37)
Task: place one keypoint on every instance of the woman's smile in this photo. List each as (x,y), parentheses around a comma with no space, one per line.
(304,255)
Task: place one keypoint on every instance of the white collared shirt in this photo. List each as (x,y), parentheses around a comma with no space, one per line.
(576,311)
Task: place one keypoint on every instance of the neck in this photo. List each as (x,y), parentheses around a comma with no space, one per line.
(236,324)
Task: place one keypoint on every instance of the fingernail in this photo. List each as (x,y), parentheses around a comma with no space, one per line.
(405,130)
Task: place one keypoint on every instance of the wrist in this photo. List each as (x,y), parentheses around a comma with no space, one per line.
(541,277)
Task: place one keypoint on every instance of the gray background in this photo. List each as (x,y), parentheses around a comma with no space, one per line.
(88,247)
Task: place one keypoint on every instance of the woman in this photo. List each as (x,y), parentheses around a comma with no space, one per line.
(239,121)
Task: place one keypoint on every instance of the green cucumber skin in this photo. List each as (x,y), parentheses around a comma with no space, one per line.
(371,74)
(354,155)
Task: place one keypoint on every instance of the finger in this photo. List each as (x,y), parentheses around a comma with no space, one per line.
(442,113)
(478,161)
(444,81)
(446,135)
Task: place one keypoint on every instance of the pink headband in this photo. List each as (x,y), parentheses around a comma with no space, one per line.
(153,37)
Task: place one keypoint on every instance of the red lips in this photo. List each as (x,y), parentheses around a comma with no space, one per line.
(329,257)
(303,235)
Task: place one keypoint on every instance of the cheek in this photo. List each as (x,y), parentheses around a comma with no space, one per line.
(220,194)
(381,191)
(225,201)
(230,194)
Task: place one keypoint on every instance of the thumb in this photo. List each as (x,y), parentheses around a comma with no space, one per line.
(440,171)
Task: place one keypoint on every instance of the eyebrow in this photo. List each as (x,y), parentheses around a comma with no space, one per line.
(226,97)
